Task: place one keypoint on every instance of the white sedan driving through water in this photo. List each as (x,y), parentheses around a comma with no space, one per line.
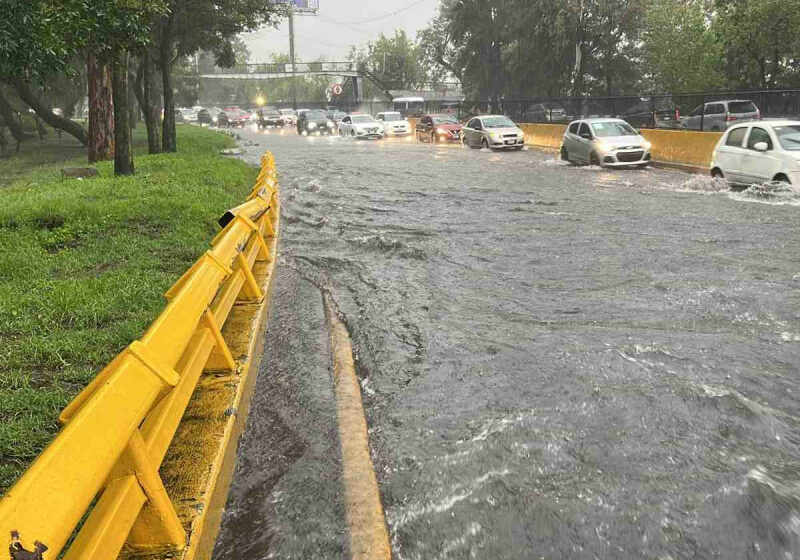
(361,126)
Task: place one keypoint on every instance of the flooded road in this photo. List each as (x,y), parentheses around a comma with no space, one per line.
(557,362)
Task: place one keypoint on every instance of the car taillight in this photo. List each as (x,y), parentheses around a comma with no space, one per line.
(677,114)
(729,118)
(758,114)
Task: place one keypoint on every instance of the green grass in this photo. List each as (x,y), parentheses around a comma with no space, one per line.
(83,266)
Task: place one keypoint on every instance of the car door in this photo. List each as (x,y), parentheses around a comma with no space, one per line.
(583,144)
(423,126)
(714,118)
(760,166)
(346,126)
(469,132)
(730,153)
(571,137)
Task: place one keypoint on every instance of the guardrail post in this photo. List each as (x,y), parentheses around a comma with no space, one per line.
(250,290)
(220,358)
(158,525)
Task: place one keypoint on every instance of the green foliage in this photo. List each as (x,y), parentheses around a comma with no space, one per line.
(395,61)
(680,50)
(761,41)
(111,27)
(83,266)
(34,37)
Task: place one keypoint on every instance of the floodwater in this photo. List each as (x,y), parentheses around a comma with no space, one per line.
(556,361)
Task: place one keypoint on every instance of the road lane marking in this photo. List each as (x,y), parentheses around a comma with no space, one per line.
(366,524)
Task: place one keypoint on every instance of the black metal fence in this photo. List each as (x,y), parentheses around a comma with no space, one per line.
(700,111)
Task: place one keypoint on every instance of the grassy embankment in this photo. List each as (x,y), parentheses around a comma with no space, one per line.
(84,264)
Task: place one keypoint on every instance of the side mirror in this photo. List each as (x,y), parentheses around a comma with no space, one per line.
(586,135)
(761,146)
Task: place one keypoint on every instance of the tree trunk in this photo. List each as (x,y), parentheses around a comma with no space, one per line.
(30,97)
(149,103)
(7,112)
(123,152)
(101,111)
(169,139)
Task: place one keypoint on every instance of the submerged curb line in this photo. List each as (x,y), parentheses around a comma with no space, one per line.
(366,525)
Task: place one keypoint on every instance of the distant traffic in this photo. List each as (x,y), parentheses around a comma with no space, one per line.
(750,149)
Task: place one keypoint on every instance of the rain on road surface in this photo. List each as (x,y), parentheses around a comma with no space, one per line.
(557,362)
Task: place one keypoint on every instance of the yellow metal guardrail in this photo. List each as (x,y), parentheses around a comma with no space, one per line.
(101,472)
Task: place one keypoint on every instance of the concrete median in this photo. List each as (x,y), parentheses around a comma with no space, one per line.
(686,149)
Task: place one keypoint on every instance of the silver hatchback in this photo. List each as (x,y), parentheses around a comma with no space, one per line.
(605,142)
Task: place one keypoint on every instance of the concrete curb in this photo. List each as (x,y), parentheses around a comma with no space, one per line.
(369,538)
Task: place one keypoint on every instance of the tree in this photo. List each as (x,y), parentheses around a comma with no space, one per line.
(38,40)
(760,41)
(395,62)
(114,30)
(680,52)
(191,26)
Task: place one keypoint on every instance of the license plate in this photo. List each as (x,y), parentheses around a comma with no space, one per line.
(510,142)
(455,134)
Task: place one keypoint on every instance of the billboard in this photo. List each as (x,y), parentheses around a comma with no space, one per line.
(305,5)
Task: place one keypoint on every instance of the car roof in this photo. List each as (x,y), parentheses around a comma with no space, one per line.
(593,120)
(768,122)
(489,116)
(731,101)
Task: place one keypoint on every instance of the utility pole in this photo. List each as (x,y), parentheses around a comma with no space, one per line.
(291,57)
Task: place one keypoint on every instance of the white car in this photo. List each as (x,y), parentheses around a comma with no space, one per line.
(189,115)
(393,123)
(757,152)
(289,116)
(361,126)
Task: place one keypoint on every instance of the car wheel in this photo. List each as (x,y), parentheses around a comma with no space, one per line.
(564,154)
(781,178)
(594,160)
(716,173)
(484,144)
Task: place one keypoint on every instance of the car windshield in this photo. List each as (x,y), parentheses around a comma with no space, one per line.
(362,119)
(392,117)
(788,136)
(444,119)
(315,115)
(609,129)
(498,122)
(287,112)
(271,113)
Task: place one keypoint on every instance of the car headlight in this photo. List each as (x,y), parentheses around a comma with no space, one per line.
(494,135)
(441,131)
(646,145)
(331,123)
(215,119)
(603,146)
(312,125)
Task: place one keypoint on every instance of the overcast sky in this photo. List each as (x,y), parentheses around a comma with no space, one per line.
(340,24)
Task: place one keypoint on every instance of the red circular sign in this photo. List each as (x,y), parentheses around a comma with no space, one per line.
(337,89)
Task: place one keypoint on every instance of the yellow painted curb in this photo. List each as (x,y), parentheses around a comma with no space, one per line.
(369,539)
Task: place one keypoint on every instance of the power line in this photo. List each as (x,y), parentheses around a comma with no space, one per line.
(373,19)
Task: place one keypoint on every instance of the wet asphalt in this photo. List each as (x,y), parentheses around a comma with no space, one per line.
(556,361)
